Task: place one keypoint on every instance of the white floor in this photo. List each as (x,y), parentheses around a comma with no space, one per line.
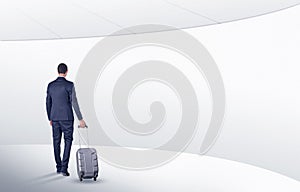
(31,168)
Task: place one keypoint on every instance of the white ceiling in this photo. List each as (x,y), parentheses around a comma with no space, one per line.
(57,19)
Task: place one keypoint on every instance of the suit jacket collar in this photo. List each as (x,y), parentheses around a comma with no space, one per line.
(61,79)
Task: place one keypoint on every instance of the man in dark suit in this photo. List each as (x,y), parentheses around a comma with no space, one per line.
(61,97)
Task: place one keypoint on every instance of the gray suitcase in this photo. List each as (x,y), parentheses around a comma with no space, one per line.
(87,163)
(87,160)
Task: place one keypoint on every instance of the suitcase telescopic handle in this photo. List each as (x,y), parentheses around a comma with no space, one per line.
(81,138)
(83,127)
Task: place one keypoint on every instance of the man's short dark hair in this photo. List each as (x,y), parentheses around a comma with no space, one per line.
(62,68)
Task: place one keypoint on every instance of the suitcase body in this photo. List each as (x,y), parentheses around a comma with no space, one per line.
(87,163)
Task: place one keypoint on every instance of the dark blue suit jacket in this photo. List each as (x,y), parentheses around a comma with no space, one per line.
(61,97)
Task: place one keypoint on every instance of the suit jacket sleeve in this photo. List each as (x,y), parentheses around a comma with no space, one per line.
(48,103)
(75,104)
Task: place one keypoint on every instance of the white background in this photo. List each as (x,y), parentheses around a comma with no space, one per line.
(258,58)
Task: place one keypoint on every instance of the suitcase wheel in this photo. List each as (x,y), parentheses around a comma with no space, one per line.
(81,177)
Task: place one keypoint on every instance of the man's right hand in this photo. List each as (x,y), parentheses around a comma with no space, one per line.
(82,123)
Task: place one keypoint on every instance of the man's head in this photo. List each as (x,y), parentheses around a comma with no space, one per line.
(62,69)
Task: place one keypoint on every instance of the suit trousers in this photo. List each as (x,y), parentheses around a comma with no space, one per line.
(66,128)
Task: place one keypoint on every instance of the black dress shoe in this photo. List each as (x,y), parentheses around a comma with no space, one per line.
(66,174)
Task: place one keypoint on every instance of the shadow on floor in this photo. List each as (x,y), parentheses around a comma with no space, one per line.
(87,181)
(42,182)
(43,179)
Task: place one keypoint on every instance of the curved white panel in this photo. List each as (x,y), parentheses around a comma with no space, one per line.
(192,173)
(259,62)
(45,19)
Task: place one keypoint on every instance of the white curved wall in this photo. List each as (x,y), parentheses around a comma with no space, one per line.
(56,19)
(258,59)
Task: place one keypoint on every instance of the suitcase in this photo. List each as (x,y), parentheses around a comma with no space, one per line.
(87,161)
